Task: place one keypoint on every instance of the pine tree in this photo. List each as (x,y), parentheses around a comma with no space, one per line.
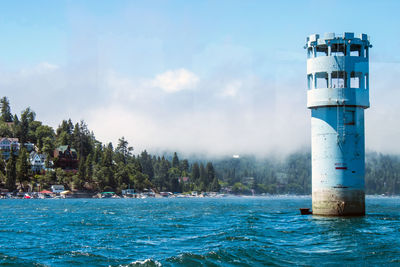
(107,156)
(6,115)
(210,173)
(175,161)
(195,172)
(2,167)
(89,167)
(22,167)
(185,166)
(27,117)
(147,164)
(123,150)
(11,172)
(203,174)
(64,133)
(215,186)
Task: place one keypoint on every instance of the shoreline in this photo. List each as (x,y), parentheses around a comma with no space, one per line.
(181,196)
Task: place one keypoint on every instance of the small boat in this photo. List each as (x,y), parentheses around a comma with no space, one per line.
(305,211)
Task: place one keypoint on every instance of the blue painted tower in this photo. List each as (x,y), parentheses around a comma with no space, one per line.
(338,94)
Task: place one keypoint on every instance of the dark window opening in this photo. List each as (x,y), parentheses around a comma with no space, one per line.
(338,49)
(310,81)
(322,50)
(355,78)
(339,79)
(321,79)
(309,52)
(355,50)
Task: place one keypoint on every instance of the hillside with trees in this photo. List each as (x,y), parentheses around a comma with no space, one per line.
(103,167)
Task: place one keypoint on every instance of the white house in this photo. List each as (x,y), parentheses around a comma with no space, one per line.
(57,188)
(37,161)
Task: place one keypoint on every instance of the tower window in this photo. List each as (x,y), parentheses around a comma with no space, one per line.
(355,50)
(321,80)
(338,50)
(355,78)
(322,50)
(310,81)
(309,52)
(339,79)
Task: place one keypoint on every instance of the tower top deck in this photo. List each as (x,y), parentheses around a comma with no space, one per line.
(332,38)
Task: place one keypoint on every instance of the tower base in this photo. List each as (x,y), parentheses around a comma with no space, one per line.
(338,202)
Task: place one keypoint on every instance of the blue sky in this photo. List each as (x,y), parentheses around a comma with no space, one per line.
(216,77)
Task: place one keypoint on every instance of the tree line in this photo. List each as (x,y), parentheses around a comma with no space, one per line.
(105,168)
(292,174)
(101,167)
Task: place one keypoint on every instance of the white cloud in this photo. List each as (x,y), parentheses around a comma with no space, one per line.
(173,81)
(231,112)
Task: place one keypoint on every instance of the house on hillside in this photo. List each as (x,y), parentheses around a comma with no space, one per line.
(57,188)
(65,158)
(38,162)
(6,144)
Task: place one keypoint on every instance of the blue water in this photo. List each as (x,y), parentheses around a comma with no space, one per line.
(235,231)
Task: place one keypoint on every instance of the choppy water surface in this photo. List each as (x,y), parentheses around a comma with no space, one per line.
(188,232)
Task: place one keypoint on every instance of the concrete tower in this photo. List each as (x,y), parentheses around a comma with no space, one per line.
(338,93)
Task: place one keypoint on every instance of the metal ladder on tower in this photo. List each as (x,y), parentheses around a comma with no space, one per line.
(341,103)
(341,116)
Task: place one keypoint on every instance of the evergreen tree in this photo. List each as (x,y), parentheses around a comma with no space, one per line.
(141,181)
(89,167)
(107,169)
(210,173)
(123,150)
(5,130)
(64,133)
(107,156)
(2,168)
(175,161)
(48,149)
(147,164)
(195,172)
(6,115)
(215,186)
(203,174)
(22,167)
(173,180)
(27,117)
(11,172)
(122,175)
(185,166)
(162,176)
(76,139)
(43,132)
(82,169)
(98,152)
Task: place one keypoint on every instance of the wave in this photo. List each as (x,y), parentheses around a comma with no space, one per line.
(7,260)
(144,263)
